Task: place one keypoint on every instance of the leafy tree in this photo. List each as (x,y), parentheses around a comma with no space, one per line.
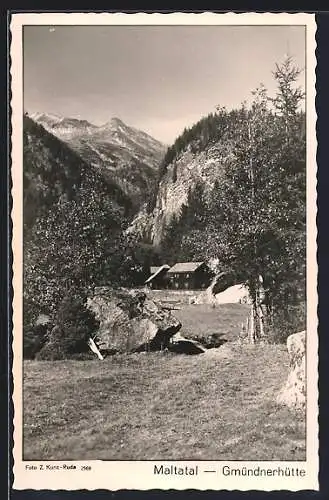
(73,246)
(61,207)
(254,219)
(288,98)
(262,201)
(74,234)
(170,245)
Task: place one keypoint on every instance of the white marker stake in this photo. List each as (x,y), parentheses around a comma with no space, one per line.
(94,348)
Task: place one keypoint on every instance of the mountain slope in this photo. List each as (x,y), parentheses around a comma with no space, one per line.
(73,223)
(124,154)
(53,171)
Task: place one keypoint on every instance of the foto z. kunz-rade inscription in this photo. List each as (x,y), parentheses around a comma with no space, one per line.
(164,251)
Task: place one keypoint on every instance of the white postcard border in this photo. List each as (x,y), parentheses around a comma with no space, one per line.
(139,475)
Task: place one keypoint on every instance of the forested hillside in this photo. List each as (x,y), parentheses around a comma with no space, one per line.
(233,187)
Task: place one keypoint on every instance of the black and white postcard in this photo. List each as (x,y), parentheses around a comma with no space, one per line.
(164,251)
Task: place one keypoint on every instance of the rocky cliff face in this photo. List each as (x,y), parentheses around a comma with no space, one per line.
(183,174)
(197,161)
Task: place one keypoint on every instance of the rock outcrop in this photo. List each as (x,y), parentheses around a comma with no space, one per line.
(131,322)
(180,176)
(294,392)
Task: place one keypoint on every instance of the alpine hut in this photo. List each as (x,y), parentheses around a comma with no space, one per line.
(189,276)
(157,279)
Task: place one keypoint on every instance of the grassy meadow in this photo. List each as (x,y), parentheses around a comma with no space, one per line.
(203,320)
(163,406)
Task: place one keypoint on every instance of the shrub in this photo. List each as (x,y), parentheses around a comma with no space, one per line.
(34,339)
(74,325)
(286,322)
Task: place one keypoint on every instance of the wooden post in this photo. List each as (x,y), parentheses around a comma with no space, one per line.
(247,326)
(94,348)
(261,322)
(252,325)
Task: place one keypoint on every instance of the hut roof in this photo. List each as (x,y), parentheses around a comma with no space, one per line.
(156,270)
(185,267)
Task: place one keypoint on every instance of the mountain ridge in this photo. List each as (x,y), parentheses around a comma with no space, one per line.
(128,156)
(53,170)
(58,122)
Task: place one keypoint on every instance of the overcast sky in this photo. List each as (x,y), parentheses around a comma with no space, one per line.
(156,78)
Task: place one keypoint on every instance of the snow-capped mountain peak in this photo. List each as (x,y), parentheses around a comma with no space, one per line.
(63,127)
(49,118)
(116,122)
(129,155)
(115,131)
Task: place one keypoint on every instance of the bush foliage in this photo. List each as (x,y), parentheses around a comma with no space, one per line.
(34,339)
(74,324)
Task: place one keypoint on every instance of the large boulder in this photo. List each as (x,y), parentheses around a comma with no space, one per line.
(294,391)
(130,321)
